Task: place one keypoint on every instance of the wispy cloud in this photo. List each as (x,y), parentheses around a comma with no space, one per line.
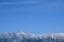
(30,6)
(18,5)
(19,2)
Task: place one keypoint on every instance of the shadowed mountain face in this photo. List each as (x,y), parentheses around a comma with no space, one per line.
(23,37)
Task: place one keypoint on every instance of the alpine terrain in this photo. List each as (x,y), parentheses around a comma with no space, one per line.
(28,37)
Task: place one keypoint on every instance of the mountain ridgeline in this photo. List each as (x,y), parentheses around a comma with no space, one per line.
(23,37)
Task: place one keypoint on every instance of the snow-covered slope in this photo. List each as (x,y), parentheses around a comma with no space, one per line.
(23,37)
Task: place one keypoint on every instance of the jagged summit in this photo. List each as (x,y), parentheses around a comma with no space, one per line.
(20,32)
(24,37)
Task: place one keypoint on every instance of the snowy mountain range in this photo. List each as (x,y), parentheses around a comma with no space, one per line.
(23,37)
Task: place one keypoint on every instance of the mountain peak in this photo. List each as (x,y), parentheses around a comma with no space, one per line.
(23,37)
(19,33)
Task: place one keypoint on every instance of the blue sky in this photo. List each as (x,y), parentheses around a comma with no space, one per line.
(37,17)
